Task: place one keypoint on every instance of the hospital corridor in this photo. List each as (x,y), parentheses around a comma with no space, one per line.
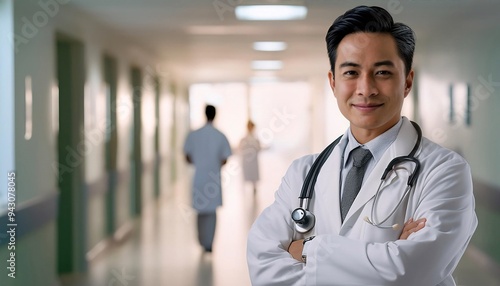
(163,250)
(98,100)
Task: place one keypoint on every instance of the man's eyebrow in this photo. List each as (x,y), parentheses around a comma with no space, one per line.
(377,64)
(349,64)
(384,63)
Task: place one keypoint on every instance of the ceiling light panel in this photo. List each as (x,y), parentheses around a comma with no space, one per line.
(269,46)
(263,80)
(270,12)
(267,65)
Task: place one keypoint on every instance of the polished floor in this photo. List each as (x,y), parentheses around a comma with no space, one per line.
(162,247)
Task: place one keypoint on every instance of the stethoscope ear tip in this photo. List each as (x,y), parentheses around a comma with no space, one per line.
(394,226)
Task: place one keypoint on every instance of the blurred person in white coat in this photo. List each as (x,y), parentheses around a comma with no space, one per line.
(208,150)
(250,147)
(370,244)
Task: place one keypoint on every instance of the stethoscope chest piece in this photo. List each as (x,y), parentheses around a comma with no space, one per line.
(304,220)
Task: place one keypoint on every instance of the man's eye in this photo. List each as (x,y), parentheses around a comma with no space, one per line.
(350,73)
(384,73)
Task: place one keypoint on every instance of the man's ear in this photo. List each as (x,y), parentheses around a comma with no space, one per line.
(331,79)
(409,82)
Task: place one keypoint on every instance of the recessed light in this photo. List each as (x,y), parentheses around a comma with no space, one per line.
(270,12)
(257,79)
(267,65)
(269,46)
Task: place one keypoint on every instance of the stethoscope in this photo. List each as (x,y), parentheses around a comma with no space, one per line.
(305,220)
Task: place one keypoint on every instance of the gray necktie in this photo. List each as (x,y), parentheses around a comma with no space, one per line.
(354,178)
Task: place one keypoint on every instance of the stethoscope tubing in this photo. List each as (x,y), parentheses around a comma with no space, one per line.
(310,181)
(372,219)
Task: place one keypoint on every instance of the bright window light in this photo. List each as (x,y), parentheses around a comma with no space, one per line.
(269,46)
(28,103)
(270,12)
(267,65)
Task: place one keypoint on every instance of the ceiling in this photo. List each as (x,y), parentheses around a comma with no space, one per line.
(198,42)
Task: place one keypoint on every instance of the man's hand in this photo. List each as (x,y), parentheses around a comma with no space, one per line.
(412,226)
(295,249)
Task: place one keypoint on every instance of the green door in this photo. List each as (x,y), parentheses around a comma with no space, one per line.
(71,160)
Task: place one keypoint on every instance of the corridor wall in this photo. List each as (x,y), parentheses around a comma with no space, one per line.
(459,88)
(36,26)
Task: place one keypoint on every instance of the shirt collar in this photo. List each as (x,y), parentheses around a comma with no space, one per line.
(377,146)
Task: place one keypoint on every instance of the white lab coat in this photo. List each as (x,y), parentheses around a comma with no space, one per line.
(207,147)
(250,148)
(357,253)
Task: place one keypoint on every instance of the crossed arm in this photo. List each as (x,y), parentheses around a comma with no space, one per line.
(423,254)
(411,226)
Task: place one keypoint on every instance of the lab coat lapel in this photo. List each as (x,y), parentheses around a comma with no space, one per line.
(402,146)
(327,188)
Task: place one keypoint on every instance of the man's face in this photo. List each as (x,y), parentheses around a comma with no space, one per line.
(369,83)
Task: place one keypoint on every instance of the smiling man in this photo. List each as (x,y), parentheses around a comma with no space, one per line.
(370,83)
(349,227)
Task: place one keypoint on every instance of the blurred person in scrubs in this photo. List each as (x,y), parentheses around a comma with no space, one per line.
(250,148)
(208,150)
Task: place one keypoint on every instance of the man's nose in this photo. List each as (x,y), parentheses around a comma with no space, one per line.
(366,86)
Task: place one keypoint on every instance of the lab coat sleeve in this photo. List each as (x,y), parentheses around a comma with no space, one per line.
(427,258)
(269,262)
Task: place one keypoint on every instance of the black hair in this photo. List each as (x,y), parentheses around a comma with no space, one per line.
(210,112)
(370,20)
